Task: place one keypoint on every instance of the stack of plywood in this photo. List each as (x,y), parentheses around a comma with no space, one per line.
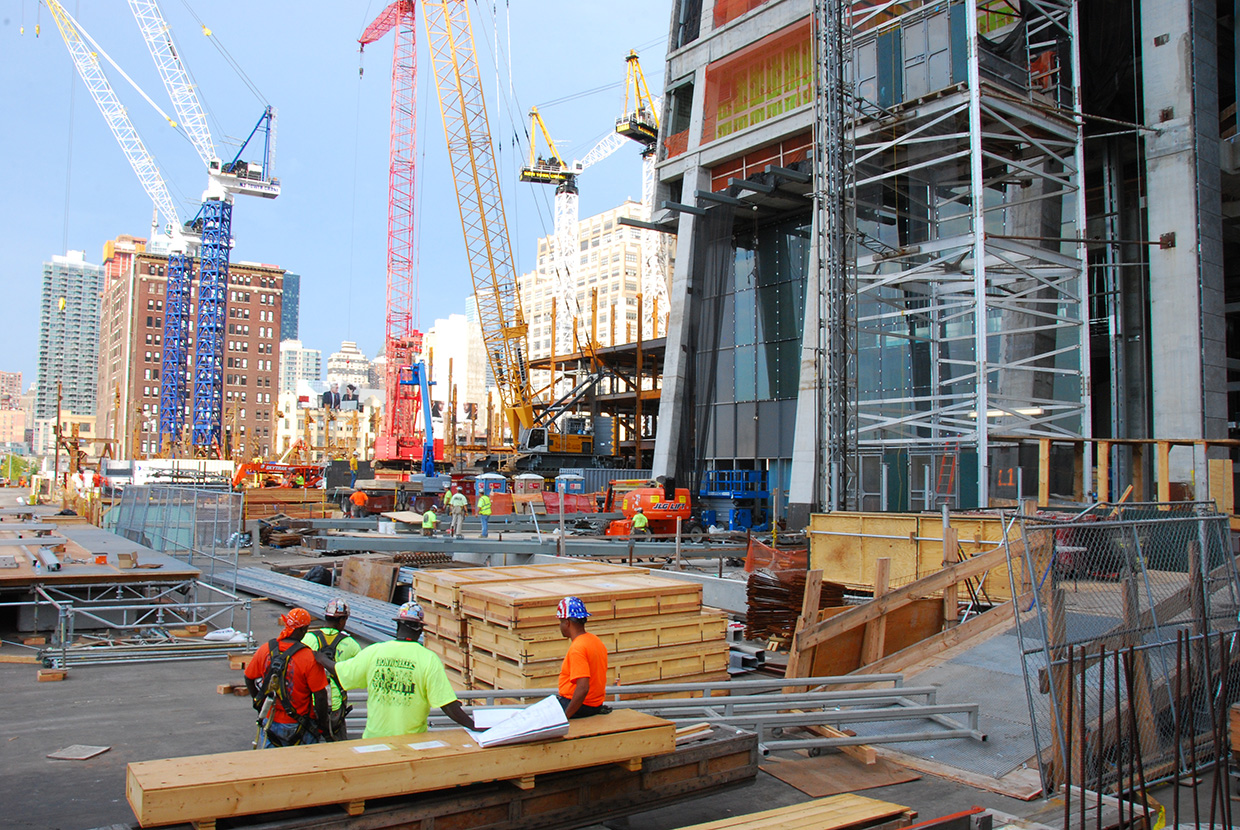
(439,593)
(498,628)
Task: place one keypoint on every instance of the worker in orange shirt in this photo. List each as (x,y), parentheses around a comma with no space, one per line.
(583,675)
(358,500)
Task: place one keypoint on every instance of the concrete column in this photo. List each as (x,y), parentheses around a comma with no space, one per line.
(1187,325)
(674,414)
(803,495)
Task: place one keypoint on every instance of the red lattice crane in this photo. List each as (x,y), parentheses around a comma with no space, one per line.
(397,440)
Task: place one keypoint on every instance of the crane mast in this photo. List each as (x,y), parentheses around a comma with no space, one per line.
(454,60)
(402,342)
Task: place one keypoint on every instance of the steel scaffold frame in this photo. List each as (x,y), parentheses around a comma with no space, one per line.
(990,287)
(209,337)
(173,364)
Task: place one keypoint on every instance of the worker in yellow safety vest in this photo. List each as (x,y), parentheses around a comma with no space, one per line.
(484,512)
(429,520)
(640,523)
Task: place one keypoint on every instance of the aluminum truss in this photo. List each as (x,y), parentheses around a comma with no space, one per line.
(209,338)
(961,310)
(174,364)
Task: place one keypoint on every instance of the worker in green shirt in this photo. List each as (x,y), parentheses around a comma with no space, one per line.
(640,523)
(403,678)
(429,520)
(484,512)
(332,641)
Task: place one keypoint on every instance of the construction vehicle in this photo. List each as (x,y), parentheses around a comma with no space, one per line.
(209,234)
(276,474)
(661,507)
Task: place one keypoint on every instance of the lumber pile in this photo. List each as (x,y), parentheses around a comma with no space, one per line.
(206,788)
(497,626)
(305,503)
(774,599)
(832,813)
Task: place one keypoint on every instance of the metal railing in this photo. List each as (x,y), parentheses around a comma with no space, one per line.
(200,526)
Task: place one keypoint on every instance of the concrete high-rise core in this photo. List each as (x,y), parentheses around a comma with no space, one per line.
(1014,223)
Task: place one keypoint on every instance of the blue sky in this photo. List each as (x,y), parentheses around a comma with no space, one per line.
(68,186)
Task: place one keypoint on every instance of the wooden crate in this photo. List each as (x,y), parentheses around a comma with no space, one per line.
(445,624)
(707,677)
(627,634)
(533,604)
(209,787)
(453,655)
(656,665)
(442,587)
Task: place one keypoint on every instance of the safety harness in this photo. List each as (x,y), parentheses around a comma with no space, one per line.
(278,684)
(327,645)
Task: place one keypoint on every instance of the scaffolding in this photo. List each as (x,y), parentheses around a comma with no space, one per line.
(949,227)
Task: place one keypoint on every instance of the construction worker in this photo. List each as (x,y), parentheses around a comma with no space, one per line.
(288,687)
(353,469)
(333,641)
(640,523)
(299,480)
(484,511)
(583,675)
(403,679)
(358,500)
(429,521)
(457,505)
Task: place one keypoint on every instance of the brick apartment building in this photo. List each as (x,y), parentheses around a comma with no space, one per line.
(131,350)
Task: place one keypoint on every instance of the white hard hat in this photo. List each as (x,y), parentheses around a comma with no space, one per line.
(337,607)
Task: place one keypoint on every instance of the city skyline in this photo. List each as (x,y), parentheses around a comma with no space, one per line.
(329,225)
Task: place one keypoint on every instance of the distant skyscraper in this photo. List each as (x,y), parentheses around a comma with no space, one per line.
(290,308)
(298,363)
(10,390)
(69,335)
(348,365)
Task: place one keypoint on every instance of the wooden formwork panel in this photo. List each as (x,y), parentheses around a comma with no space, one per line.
(627,634)
(442,587)
(845,546)
(533,604)
(656,665)
(210,787)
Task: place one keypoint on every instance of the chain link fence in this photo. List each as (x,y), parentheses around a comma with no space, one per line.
(201,526)
(1127,622)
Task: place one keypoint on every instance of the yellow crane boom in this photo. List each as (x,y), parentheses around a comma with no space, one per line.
(471,155)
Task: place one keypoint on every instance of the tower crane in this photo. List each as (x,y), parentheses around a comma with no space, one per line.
(397,442)
(554,170)
(208,234)
(640,122)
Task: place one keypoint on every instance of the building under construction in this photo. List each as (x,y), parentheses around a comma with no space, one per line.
(913,236)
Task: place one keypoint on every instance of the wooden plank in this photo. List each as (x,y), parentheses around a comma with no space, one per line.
(210,787)
(1162,470)
(625,668)
(876,629)
(1103,473)
(832,813)
(809,615)
(1222,485)
(874,609)
(1044,472)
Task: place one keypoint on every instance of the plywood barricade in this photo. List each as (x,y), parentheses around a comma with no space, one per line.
(846,546)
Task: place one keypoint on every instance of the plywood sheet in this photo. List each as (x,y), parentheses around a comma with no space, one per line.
(836,773)
(369,576)
(906,626)
(532,604)
(443,586)
(210,787)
